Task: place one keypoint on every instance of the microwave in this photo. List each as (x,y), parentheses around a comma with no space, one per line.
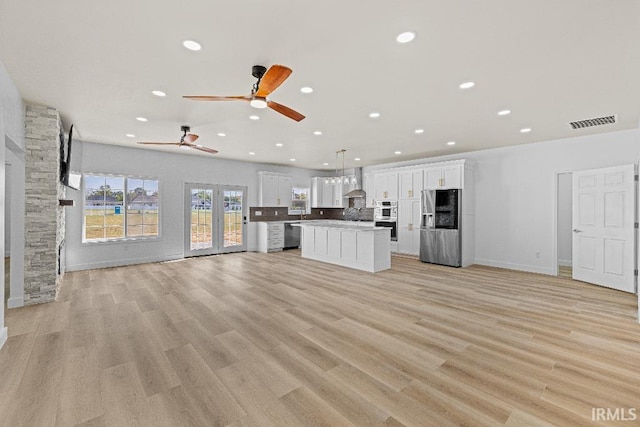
(386,210)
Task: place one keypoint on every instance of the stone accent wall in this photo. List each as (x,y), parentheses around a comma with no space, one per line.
(44,218)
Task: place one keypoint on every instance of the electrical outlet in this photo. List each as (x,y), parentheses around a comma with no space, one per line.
(537,254)
(258,213)
(276,213)
(321,212)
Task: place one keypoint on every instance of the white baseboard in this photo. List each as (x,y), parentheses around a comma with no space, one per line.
(3,336)
(565,263)
(15,302)
(520,267)
(121,262)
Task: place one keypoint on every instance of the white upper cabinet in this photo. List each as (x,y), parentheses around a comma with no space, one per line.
(410,184)
(285,190)
(274,189)
(444,177)
(316,192)
(386,186)
(328,192)
(368,185)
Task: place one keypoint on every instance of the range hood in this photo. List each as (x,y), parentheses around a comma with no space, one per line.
(358,192)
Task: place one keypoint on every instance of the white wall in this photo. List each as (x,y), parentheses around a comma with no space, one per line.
(173,170)
(11,127)
(565,209)
(515,193)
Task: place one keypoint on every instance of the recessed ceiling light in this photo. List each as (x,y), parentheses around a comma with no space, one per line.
(467,85)
(254,117)
(292,160)
(504,112)
(325,164)
(130,135)
(406,37)
(251,153)
(141,119)
(191,45)
(398,152)
(451,143)
(222,134)
(279,144)
(317,132)
(306,89)
(418,131)
(525,130)
(374,115)
(357,159)
(158,93)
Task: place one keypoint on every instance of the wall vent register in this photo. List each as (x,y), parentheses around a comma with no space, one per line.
(607,120)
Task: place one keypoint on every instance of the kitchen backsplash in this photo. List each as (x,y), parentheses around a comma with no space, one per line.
(358,214)
(347,214)
(269,214)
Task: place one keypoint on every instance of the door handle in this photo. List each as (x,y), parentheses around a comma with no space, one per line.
(577,230)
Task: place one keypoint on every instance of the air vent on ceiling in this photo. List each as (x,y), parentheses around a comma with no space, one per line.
(593,122)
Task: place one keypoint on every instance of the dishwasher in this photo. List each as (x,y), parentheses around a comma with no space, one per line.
(291,236)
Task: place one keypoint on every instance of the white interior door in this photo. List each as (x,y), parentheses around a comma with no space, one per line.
(604,227)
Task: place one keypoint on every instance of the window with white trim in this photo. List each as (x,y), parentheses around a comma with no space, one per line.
(300,200)
(120,207)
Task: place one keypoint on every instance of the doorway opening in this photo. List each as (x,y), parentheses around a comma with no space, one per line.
(564,220)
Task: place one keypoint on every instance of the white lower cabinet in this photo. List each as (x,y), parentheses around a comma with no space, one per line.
(270,236)
(321,245)
(334,246)
(348,246)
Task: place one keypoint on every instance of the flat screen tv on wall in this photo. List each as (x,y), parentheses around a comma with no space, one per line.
(71,180)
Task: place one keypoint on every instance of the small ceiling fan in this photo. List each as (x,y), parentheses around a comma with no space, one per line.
(186,142)
(268,81)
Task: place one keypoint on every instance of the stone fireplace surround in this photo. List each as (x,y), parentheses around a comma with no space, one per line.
(44,218)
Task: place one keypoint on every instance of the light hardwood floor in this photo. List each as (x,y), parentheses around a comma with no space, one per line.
(255,339)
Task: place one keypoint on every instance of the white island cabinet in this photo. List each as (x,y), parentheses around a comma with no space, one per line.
(355,246)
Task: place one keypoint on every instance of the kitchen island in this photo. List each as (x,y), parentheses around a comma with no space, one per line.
(362,247)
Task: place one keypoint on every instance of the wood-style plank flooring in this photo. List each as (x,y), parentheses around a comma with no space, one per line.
(254,339)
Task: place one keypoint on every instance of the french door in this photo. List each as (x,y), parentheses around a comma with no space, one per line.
(215,219)
(604,227)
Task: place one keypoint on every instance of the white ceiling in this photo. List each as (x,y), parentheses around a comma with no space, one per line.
(549,62)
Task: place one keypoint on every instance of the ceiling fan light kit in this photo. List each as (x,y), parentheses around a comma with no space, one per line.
(258,102)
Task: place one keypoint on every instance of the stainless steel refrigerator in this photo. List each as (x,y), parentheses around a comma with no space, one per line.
(440,231)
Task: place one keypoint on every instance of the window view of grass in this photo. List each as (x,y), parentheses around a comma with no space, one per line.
(120,207)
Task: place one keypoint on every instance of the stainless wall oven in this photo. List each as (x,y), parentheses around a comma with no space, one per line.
(390,224)
(386,210)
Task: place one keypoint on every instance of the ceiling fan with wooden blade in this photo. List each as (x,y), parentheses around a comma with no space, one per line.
(186,142)
(268,81)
